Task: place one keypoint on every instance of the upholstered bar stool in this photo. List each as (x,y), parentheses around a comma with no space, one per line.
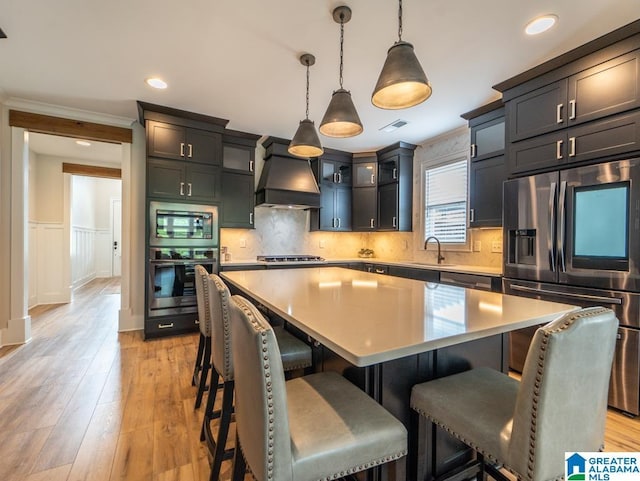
(203,357)
(559,405)
(295,355)
(315,427)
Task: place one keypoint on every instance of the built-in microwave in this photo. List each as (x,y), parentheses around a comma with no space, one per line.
(177,224)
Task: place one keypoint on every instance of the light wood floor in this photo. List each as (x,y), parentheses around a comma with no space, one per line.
(82,402)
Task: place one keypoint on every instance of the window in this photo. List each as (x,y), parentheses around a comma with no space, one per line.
(445,201)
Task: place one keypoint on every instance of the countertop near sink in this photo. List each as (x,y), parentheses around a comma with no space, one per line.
(481,270)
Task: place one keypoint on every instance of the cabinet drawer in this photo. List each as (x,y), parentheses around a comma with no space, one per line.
(543,152)
(170,326)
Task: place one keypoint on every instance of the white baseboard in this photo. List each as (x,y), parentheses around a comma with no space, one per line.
(127,321)
(18,331)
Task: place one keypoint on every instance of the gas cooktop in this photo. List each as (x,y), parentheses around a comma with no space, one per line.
(292,258)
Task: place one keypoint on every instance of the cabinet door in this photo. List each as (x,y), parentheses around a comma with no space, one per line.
(203,146)
(365,174)
(345,173)
(327,213)
(485,192)
(342,203)
(166,179)
(388,170)
(238,200)
(537,153)
(388,207)
(238,158)
(165,140)
(203,183)
(612,136)
(538,112)
(605,89)
(487,139)
(365,209)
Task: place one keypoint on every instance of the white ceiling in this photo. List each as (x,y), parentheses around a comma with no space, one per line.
(98,153)
(238,60)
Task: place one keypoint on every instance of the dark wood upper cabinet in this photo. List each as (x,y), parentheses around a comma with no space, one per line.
(365,209)
(388,207)
(395,187)
(333,172)
(537,112)
(183,143)
(175,180)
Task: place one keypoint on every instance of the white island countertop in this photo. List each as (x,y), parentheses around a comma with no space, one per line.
(371,318)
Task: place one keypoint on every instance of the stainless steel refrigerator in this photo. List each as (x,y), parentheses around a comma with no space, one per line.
(574,236)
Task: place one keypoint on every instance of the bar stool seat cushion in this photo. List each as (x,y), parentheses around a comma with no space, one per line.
(336,427)
(295,353)
(479,403)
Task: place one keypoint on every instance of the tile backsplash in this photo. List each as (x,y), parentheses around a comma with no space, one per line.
(283,231)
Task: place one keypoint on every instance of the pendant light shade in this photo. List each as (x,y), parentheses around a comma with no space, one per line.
(305,142)
(402,82)
(341,118)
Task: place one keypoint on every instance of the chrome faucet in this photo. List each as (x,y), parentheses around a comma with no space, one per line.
(440,256)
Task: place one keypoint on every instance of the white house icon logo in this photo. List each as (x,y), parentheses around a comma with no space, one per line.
(576,467)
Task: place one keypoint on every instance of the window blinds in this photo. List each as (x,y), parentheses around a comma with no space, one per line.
(446,202)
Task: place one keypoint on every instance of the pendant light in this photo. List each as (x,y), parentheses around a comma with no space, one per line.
(341,118)
(305,142)
(402,82)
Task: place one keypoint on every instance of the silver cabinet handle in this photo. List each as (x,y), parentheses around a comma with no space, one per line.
(572,146)
(559,149)
(251,218)
(190,151)
(394,174)
(189,189)
(181,188)
(572,108)
(394,221)
(338,222)
(379,271)
(333,222)
(339,178)
(251,166)
(559,113)
(165,326)
(181,149)
(197,322)
(474,150)
(472,215)
(372,223)
(373,178)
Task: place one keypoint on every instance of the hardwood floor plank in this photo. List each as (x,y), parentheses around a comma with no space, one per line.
(134,456)
(183,473)
(20,451)
(60,473)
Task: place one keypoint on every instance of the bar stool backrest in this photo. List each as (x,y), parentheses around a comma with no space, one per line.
(562,401)
(202,300)
(261,400)
(219,299)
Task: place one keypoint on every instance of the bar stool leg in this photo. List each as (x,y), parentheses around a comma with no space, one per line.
(211,400)
(198,366)
(223,431)
(204,374)
(239,464)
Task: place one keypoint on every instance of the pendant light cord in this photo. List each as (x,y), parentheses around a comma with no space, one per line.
(307,111)
(399,20)
(341,44)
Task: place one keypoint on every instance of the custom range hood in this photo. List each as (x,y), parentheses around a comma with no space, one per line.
(286,182)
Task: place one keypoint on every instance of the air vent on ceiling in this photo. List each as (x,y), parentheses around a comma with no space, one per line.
(396,124)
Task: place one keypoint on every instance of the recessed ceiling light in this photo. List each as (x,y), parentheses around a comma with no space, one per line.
(541,24)
(156,83)
(395,125)
(84,143)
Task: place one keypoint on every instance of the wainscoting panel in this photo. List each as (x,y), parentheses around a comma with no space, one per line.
(83,258)
(48,259)
(103,253)
(33,264)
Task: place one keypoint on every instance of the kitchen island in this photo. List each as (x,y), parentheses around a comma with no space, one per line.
(386,334)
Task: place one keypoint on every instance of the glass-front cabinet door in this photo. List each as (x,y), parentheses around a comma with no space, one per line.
(365,174)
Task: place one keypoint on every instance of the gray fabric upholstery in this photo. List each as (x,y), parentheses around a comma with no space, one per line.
(202,300)
(295,353)
(559,405)
(311,428)
(219,301)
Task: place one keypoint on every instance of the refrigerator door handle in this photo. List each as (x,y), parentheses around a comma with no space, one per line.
(552,227)
(570,295)
(562,227)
